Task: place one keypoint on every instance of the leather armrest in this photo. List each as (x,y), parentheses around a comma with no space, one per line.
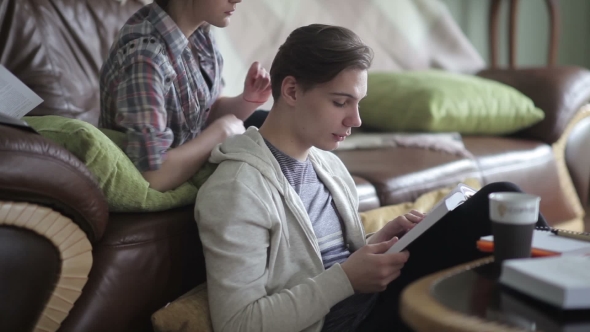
(577,158)
(558,91)
(34,169)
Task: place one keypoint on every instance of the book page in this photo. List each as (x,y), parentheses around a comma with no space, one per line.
(16,99)
(453,199)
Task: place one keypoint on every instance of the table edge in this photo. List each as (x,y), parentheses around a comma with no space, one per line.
(421,311)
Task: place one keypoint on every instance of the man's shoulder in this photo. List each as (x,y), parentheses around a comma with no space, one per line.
(329,160)
(236,182)
(232,173)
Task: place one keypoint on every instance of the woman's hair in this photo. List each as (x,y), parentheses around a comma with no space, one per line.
(162,3)
(317,53)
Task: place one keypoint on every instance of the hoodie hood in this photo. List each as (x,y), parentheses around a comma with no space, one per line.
(251,148)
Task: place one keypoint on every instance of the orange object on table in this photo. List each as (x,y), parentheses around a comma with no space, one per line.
(488,246)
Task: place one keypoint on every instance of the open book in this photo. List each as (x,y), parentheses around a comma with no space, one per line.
(561,281)
(456,197)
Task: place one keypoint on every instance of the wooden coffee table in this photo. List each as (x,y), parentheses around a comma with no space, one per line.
(468,298)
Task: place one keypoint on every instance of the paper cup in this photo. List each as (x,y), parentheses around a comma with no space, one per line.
(513,216)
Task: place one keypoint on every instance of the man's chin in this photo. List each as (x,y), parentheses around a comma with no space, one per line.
(328,146)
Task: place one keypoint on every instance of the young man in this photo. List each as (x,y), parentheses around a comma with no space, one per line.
(284,246)
(161,86)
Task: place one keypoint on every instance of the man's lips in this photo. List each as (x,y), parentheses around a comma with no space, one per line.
(340,137)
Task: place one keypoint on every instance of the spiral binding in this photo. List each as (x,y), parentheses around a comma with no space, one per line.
(552,229)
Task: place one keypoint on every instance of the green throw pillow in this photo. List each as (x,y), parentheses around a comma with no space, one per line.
(123,185)
(438,101)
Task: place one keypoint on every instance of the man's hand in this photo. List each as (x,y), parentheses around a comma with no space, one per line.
(370,269)
(397,227)
(257,88)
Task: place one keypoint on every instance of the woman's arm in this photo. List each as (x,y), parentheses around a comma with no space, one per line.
(140,110)
(257,90)
(239,239)
(237,106)
(182,162)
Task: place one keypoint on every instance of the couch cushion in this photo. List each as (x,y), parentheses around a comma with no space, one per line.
(559,91)
(190,312)
(529,164)
(144,261)
(123,185)
(56,47)
(367,194)
(402,174)
(439,101)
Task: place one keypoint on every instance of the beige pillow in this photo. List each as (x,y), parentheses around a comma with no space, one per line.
(190,312)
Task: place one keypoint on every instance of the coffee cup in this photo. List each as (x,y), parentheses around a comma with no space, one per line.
(513,216)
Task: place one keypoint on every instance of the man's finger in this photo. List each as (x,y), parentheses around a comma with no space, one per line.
(404,223)
(398,258)
(417,213)
(413,218)
(381,247)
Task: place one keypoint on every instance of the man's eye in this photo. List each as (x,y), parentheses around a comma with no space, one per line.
(339,104)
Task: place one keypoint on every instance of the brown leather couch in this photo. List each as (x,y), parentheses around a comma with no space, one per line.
(131,264)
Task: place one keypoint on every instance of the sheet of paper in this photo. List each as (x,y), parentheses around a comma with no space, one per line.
(16,99)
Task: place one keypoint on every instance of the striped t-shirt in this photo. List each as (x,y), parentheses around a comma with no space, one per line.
(327,226)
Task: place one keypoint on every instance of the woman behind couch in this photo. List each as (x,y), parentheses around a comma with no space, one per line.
(161,86)
(284,246)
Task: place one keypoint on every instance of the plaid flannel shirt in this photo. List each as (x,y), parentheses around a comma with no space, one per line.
(155,85)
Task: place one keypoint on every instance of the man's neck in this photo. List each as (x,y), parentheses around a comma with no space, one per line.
(278,130)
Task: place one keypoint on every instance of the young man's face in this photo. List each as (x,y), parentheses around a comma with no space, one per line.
(327,112)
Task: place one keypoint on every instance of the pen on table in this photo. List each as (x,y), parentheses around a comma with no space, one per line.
(572,235)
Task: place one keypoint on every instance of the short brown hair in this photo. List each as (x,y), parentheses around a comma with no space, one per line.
(317,53)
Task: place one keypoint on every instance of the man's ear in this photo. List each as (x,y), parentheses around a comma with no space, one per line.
(289,90)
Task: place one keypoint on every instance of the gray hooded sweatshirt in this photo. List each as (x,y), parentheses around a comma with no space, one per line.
(264,267)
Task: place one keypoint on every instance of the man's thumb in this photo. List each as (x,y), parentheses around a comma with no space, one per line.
(382,247)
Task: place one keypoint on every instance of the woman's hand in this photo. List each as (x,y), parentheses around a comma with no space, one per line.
(397,227)
(257,88)
(228,125)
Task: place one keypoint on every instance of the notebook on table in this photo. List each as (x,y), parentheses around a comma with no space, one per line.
(546,243)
